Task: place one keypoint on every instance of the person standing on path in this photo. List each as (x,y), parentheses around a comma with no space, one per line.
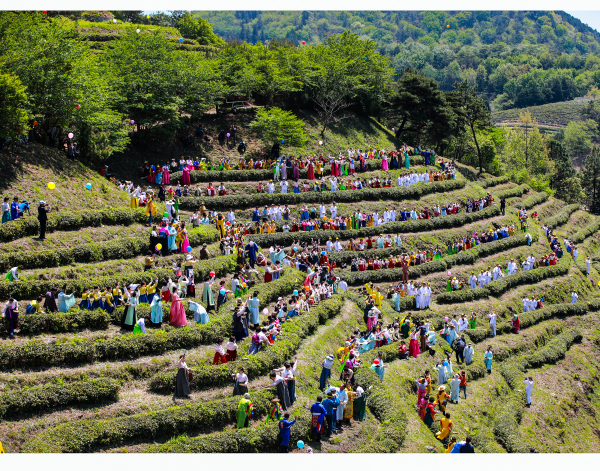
(487,358)
(528,389)
(43,210)
(492,318)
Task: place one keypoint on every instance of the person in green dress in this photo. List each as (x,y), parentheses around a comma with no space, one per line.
(244,411)
(360,403)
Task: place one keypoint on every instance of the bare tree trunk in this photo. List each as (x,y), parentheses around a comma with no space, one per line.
(478,150)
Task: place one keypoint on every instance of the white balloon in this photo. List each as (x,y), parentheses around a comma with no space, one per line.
(137,30)
(320,143)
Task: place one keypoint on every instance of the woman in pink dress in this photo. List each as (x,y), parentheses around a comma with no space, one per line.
(413,346)
(185,176)
(310,174)
(177,312)
(166,175)
(384,162)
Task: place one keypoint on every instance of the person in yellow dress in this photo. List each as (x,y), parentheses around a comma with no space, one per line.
(151,210)
(451,445)
(1,449)
(441,397)
(377,297)
(349,409)
(445,427)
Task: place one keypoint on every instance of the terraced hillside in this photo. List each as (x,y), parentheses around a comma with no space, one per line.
(76,382)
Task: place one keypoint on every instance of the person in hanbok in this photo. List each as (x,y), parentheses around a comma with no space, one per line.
(185,176)
(468,353)
(172,233)
(288,374)
(129,319)
(445,427)
(310,173)
(166,176)
(394,161)
(488,356)
(253,305)
(282,390)
(384,163)
(326,366)
(413,345)
(200,314)
(207,294)
(156,312)
(65,301)
(182,381)
(343,398)
(295,171)
(378,368)
(244,411)
(454,389)
(441,369)
(11,314)
(360,403)
(372,318)
(178,318)
(406,161)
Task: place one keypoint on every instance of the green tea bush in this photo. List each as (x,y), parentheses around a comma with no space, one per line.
(73,321)
(88,435)
(71,221)
(40,398)
(562,217)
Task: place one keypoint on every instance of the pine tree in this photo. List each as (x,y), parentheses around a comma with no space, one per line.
(591,181)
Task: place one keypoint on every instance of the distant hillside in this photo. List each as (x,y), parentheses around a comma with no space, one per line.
(517,58)
(553,114)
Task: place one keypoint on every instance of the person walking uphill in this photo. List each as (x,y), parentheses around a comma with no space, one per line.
(43,210)
(244,412)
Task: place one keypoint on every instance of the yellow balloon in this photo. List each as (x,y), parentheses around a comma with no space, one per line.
(51,186)
(158,246)
(148,16)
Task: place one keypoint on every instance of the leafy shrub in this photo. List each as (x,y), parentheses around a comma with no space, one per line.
(40,398)
(293,333)
(534,200)
(70,221)
(586,232)
(562,217)
(385,405)
(73,321)
(396,193)
(493,181)
(506,426)
(260,439)
(87,435)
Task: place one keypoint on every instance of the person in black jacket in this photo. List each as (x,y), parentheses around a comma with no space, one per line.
(43,210)
(467,447)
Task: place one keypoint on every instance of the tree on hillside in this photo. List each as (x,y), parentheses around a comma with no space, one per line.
(418,104)
(144,72)
(192,27)
(350,73)
(471,111)
(275,125)
(525,154)
(565,182)
(13,115)
(578,136)
(64,81)
(591,180)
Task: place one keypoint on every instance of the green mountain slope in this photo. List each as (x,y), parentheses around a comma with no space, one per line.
(518,58)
